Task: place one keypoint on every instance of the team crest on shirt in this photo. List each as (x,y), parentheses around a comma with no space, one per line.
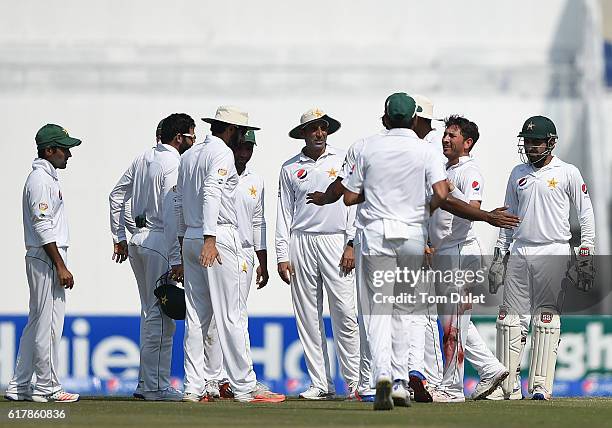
(332,173)
(43,206)
(584,189)
(253,191)
(301,174)
(222,172)
(476,186)
(522,182)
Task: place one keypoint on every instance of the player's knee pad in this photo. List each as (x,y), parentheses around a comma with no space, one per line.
(545,342)
(510,344)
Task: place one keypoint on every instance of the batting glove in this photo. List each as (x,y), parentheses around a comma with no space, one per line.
(582,272)
(497,271)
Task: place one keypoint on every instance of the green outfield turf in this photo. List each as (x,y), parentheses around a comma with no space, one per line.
(112,412)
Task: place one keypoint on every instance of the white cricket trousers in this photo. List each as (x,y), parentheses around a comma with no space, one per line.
(390,327)
(365,357)
(148,258)
(534,278)
(455,317)
(40,340)
(315,260)
(215,291)
(213,356)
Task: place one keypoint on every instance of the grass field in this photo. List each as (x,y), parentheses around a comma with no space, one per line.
(113,412)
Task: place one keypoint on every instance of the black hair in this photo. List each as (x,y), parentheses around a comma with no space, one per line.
(468,128)
(217,127)
(402,122)
(176,123)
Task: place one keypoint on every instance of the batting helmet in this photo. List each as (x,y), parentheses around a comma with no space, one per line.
(171,300)
(538,128)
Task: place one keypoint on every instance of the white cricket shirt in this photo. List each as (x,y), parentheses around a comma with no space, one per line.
(120,200)
(44,219)
(393,170)
(445,229)
(250,210)
(541,198)
(301,175)
(188,189)
(219,181)
(153,194)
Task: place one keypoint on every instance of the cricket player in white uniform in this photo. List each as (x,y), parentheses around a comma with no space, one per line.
(432,360)
(314,253)
(120,255)
(46,239)
(252,231)
(393,220)
(211,248)
(154,247)
(456,248)
(540,191)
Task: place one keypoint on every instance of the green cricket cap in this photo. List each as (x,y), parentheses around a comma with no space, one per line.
(250,137)
(538,128)
(52,135)
(400,105)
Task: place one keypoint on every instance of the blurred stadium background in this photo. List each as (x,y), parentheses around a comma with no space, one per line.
(108,71)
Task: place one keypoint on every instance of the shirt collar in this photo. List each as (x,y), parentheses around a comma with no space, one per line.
(211,139)
(46,166)
(402,131)
(246,171)
(329,150)
(554,163)
(462,160)
(168,148)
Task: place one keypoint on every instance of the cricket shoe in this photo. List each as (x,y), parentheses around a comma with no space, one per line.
(314,393)
(168,394)
(540,393)
(191,397)
(19,395)
(138,393)
(400,394)
(60,396)
(419,385)
(498,394)
(352,391)
(212,389)
(225,391)
(486,386)
(365,398)
(259,396)
(438,395)
(383,400)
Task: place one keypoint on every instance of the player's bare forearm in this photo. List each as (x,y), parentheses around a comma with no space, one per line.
(262,258)
(352,198)
(63,274)
(332,194)
(498,217)
(262,270)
